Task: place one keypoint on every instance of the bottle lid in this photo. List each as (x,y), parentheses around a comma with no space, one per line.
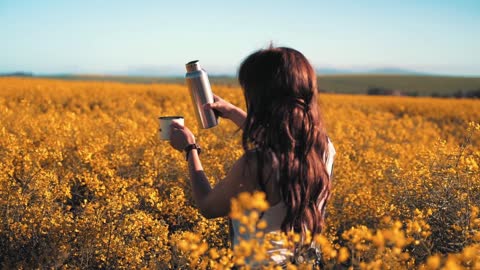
(193,66)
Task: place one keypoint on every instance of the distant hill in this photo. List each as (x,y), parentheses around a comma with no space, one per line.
(332,71)
(394,71)
(153,71)
(379,71)
(421,85)
(17,74)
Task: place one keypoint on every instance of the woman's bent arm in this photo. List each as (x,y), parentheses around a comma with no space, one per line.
(238,117)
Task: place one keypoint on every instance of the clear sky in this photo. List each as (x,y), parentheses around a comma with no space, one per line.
(106,36)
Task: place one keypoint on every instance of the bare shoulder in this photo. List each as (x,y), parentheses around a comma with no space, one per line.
(244,175)
(240,178)
(244,171)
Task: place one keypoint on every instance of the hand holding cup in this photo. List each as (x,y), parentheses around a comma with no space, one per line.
(165,122)
(180,136)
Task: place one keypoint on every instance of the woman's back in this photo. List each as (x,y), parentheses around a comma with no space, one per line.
(275,215)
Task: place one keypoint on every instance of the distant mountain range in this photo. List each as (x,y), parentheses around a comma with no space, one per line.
(17,74)
(177,71)
(380,71)
(152,71)
(397,71)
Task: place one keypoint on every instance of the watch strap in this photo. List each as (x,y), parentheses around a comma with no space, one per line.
(189,149)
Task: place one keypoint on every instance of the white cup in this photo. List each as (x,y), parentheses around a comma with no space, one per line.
(165,122)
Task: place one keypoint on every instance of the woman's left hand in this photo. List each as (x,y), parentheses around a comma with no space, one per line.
(180,136)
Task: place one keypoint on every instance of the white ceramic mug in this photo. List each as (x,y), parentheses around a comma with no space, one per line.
(165,122)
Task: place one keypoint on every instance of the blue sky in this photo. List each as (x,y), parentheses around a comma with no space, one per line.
(110,37)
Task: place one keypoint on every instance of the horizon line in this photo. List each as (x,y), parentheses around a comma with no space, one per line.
(216,75)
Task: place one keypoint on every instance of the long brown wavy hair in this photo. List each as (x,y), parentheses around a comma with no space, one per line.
(284,122)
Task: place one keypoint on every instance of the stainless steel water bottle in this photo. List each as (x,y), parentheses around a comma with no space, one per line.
(201,93)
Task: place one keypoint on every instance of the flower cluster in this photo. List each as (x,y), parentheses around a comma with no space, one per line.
(86,183)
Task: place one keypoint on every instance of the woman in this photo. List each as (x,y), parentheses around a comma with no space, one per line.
(287,152)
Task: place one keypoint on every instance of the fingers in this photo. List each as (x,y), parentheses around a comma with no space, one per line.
(217,103)
(176,125)
(210,105)
(172,128)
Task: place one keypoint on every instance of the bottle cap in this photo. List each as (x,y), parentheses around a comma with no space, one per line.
(193,66)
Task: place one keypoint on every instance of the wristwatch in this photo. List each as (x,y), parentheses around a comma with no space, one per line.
(189,148)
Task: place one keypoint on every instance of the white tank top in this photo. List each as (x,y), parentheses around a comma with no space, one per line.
(275,215)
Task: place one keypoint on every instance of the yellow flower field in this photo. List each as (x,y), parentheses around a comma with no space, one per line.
(86,183)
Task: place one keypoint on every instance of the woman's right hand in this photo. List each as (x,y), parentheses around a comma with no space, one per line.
(227,110)
(221,107)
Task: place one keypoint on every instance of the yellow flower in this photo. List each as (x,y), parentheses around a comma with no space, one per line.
(343,255)
(82,167)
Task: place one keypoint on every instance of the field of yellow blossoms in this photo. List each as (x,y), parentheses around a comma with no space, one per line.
(85,183)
